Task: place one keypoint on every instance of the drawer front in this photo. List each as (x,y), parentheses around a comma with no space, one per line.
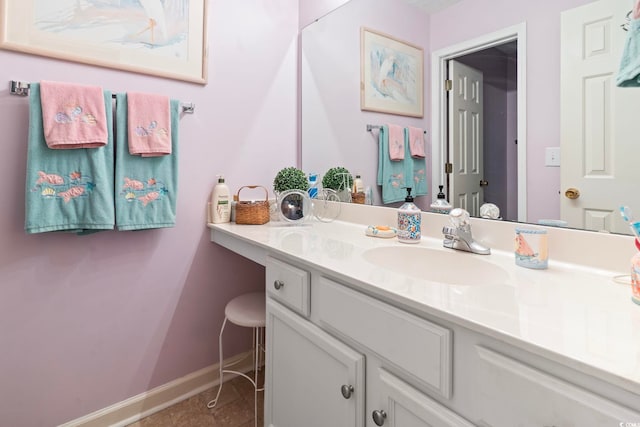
(288,285)
(404,342)
(513,393)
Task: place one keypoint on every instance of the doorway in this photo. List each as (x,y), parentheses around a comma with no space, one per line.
(485,79)
(504,162)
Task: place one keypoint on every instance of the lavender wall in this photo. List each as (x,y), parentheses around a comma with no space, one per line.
(89,321)
(460,22)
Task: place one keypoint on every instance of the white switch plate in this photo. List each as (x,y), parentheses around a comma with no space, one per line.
(552,156)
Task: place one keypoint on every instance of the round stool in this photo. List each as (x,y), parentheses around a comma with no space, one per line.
(247,310)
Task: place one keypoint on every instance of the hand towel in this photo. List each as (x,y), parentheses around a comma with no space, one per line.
(416,142)
(74,116)
(396,142)
(146,187)
(149,122)
(629,72)
(416,168)
(391,174)
(69,190)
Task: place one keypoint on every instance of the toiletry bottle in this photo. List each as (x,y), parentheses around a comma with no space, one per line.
(635,275)
(409,219)
(358,185)
(220,202)
(313,185)
(440,204)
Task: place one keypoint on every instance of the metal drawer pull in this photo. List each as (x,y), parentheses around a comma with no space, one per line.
(278,284)
(379,416)
(347,391)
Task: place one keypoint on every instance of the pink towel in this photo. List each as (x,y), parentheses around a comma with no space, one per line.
(416,142)
(396,142)
(73,116)
(149,124)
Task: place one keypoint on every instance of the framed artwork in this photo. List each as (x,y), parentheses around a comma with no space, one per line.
(164,38)
(391,73)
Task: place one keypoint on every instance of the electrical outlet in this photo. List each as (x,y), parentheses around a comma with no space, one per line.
(552,156)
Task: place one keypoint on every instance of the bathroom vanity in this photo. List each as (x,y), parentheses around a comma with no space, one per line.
(366,331)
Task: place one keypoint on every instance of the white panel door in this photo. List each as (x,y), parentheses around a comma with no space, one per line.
(599,134)
(306,371)
(465,137)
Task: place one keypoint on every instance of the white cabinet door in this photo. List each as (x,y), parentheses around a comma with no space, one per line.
(401,405)
(313,380)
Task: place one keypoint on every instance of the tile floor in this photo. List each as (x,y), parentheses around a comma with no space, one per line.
(235,408)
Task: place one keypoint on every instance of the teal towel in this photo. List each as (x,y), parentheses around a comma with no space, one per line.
(146,187)
(391,174)
(67,190)
(629,73)
(416,169)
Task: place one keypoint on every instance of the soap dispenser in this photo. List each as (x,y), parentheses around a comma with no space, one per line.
(409,221)
(440,204)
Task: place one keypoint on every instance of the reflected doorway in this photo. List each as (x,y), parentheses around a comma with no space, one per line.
(517,166)
(482,129)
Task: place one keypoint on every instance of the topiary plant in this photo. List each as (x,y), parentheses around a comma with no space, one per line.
(335,179)
(290,178)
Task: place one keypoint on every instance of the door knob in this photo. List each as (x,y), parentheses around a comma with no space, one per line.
(572,193)
(379,416)
(484,183)
(278,284)
(346,390)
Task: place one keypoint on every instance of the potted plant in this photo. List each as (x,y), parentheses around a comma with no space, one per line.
(340,180)
(290,178)
(287,181)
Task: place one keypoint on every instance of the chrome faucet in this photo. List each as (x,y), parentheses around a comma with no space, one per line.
(458,234)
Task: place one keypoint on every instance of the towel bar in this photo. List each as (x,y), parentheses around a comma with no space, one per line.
(372,127)
(22,89)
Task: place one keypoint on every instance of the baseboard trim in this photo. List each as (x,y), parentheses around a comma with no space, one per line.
(144,404)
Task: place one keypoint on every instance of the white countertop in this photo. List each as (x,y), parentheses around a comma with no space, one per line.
(569,313)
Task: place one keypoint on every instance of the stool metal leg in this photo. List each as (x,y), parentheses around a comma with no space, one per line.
(214,402)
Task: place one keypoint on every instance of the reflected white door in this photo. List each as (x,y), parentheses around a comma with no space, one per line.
(599,121)
(465,137)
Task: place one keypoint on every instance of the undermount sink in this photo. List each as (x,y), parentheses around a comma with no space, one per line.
(443,266)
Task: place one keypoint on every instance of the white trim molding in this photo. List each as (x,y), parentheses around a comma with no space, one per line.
(149,402)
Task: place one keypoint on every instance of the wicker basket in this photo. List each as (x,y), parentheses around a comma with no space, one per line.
(256,212)
(357,198)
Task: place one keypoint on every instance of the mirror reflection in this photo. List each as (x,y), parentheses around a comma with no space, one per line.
(552,123)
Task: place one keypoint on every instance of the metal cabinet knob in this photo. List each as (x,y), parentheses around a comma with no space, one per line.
(379,416)
(278,284)
(346,391)
(572,193)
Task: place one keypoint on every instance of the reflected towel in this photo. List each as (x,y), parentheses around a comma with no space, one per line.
(69,190)
(629,73)
(146,187)
(391,174)
(396,142)
(73,115)
(149,124)
(416,142)
(416,168)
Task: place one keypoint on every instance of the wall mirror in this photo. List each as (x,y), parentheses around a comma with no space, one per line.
(551,106)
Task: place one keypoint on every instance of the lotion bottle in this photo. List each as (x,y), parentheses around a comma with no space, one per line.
(220,202)
(409,221)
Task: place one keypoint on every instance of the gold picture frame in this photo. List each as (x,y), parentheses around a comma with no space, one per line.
(166,40)
(391,75)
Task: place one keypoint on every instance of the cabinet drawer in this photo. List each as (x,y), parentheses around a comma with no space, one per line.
(406,343)
(288,285)
(513,393)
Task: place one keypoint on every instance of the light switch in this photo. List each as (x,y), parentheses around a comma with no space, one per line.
(552,156)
